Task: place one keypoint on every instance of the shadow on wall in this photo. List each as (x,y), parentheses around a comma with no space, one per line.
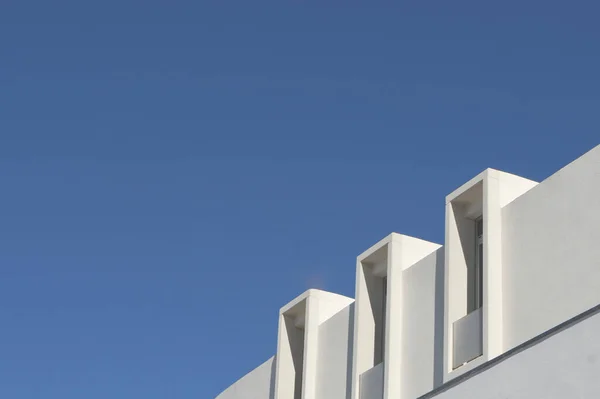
(438,350)
(296,336)
(350,352)
(376,292)
(272,385)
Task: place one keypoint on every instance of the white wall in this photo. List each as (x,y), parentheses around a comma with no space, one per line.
(335,355)
(551,251)
(423,323)
(257,384)
(371,383)
(563,366)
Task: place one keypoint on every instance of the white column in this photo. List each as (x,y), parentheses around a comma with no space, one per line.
(392,366)
(492,268)
(311,347)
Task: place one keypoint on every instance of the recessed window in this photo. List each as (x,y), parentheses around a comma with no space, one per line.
(465,265)
(373,271)
(292,336)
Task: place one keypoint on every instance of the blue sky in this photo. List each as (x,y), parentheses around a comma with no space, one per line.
(172,173)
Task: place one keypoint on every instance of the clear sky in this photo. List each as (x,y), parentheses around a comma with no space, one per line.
(172,173)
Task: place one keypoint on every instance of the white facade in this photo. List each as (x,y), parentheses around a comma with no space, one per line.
(508,307)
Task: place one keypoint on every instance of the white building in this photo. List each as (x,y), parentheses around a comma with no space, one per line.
(508,307)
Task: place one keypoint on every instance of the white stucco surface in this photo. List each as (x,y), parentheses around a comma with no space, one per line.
(371,383)
(257,384)
(551,251)
(563,366)
(335,355)
(422,336)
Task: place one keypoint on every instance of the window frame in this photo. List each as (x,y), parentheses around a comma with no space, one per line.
(479,252)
